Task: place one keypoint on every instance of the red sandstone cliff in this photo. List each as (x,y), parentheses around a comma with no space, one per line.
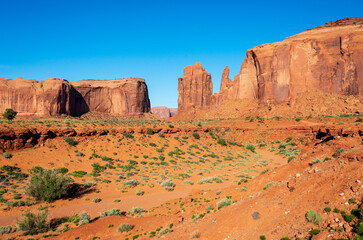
(328,59)
(120,96)
(57,96)
(50,97)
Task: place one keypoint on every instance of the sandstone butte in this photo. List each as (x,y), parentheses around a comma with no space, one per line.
(328,59)
(56,96)
(164,112)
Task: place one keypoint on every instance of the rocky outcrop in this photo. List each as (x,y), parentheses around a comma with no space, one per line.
(164,112)
(195,88)
(326,59)
(119,96)
(50,97)
(57,96)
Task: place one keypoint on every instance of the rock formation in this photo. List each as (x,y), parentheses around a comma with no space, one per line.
(57,96)
(195,88)
(120,96)
(328,58)
(50,97)
(164,112)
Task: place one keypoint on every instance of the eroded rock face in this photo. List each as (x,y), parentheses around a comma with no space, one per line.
(327,59)
(57,96)
(195,88)
(164,112)
(50,97)
(120,96)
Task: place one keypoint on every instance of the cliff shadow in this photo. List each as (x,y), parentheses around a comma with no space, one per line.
(78,104)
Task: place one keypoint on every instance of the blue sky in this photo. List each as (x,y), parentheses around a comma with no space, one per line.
(152,39)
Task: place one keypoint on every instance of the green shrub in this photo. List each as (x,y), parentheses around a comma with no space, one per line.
(131,183)
(149,131)
(250,147)
(6,229)
(136,210)
(327,209)
(97,200)
(70,141)
(111,212)
(48,185)
(168,185)
(224,202)
(128,135)
(83,218)
(315,231)
(312,216)
(33,223)
(268,184)
(9,114)
(222,142)
(139,192)
(7,155)
(262,237)
(196,135)
(125,228)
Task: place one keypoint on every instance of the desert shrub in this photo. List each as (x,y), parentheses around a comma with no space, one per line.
(152,144)
(286,238)
(33,223)
(149,131)
(131,183)
(165,231)
(128,135)
(70,141)
(125,228)
(347,217)
(268,184)
(327,209)
(139,192)
(224,202)
(48,185)
(136,210)
(6,229)
(222,142)
(250,147)
(315,231)
(63,170)
(7,155)
(312,216)
(83,218)
(168,185)
(97,200)
(78,173)
(9,114)
(196,135)
(262,237)
(339,151)
(112,212)
(216,178)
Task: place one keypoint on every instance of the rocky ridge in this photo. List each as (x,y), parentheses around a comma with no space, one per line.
(56,96)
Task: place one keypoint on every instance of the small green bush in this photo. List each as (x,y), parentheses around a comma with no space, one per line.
(222,142)
(33,223)
(139,192)
(149,131)
(262,237)
(6,229)
(327,209)
(125,228)
(196,135)
(48,185)
(315,231)
(111,212)
(136,210)
(312,216)
(70,141)
(9,114)
(7,155)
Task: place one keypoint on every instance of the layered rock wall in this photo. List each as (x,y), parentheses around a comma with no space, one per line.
(57,96)
(327,59)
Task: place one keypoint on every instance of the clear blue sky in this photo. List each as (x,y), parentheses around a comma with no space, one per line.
(151,39)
